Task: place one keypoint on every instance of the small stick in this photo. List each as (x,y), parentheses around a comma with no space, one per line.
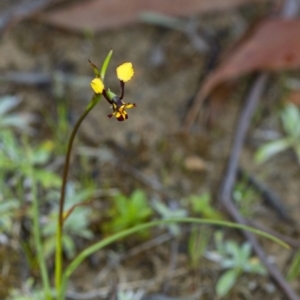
(289,10)
(271,199)
(230,177)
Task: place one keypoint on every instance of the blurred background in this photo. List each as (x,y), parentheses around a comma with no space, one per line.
(195,61)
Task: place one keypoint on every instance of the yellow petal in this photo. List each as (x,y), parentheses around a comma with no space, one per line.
(97,85)
(121,115)
(125,71)
(130,105)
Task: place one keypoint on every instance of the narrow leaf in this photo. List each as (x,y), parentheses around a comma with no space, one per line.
(226,282)
(270,149)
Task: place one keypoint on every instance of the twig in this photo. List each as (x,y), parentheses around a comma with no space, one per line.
(271,199)
(193,111)
(72,208)
(289,10)
(230,177)
(197,101)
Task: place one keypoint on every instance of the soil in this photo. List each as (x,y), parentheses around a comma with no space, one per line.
(168,70)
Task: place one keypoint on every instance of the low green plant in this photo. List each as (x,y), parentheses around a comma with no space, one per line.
(8,209)
(169,213)
(202,206)
(129,211)
(77,223)
(19,170)
(9,119)
(294,269)
(14,162)
(235,259)
(290,118)
(27,292)
(244,196)
(197,244)
(59,126)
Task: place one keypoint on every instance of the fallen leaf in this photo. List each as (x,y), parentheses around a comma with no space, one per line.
(98,15)
(272,45)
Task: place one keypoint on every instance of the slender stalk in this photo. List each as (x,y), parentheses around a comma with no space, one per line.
(58,253)
(60,222)
(37,233)
(38,245)
(124,233)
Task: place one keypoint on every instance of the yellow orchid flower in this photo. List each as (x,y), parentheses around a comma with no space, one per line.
(124,73)
(119,111)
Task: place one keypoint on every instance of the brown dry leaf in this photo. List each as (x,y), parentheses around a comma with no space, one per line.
(97,15)
(271,46)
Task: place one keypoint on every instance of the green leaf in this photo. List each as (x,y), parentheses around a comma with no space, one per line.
(202,205)
(10,205)
(122,234)
(69,246)
(232,249)
(49,246)
(290,117)
(46,178)
(294,270)
(254,266)
(197,244)
(95,69)
(20,121)
(245,252)
(105,64)
(168,213)
(128,211)
(7,103)
(86,233)
(270,149)
(226,282)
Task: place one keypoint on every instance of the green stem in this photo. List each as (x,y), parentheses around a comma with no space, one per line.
(60,221)
(101,244)
(37,236)
(58,252)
